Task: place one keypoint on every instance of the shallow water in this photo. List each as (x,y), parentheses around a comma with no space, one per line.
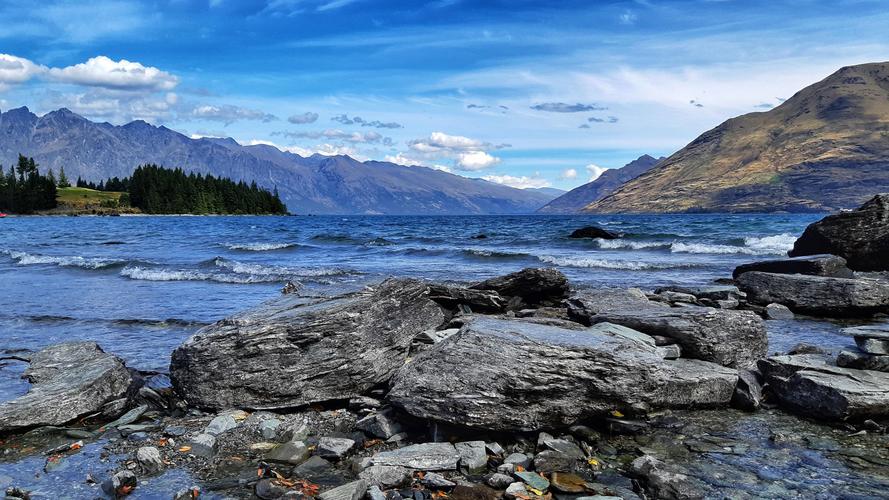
(141,285)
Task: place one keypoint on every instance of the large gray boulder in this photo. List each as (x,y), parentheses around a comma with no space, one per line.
(860,236)
(286,353)
(815,265)
(585,304)
(534,286)
(817,295)
(811,385)
(729,338)
(515,375)
(68,381)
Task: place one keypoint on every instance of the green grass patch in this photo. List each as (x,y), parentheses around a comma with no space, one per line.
(83,197)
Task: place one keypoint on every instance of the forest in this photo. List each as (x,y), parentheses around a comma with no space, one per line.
(23,190)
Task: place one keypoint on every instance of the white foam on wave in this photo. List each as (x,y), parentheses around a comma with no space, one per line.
(259,247)
(590,262)
(27,259)
(229,271)
(777,244)
(149,274)
(629,244)
(271,270)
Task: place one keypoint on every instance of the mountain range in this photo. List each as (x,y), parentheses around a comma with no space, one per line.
(825,148)
(316,184)
(576,199)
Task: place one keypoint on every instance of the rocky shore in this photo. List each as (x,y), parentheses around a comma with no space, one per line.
(517,387)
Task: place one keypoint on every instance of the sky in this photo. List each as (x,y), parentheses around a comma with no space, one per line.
(529,94)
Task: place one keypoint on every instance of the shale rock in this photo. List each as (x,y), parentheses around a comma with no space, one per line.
(710,292)
(535,287)
(817,295)
(814,265)
(863,361)
(729,338)
(349,491)
(664,483)
(593,232)
(583,305)
(425,456)
(67,381)
(518,375)
(286,353)
(480,301)
(860,236)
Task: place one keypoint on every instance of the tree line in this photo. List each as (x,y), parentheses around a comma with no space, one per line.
(23,190)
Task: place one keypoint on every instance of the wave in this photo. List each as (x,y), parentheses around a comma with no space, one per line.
(259,247)
(49,318)
(91,263)
(335,238)
(628,265)
(630,244)
(222,270)
(479,253)
(378,242)
(766,245)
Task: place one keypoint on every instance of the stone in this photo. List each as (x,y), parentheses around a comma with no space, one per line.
(860,236)
(872,346)
(730,338)
(778,311)
(498,367)
(128,417)
(710,292)
(813,265)
(672,351)
(379,425)
(494,448)
(533,480)
(68,381)
(150,459)
(375,493)
(863,361)
(313,466)
(435,336)
(386,476)
(660,482)
(175,431)
(437,481)
(516,490)
(274,356)
(473,455)
(567,482)
(748,392)
(120,484)
(269,489)
(554,461)
(349,491)
(817,295)
(294,430)
(878,331)
(425,456)
(220,424)
(585,433)
(268,429)
(332,447)
(586,304)
(291,452)
(727,304)
(203,445)
(499,481)
(809,384)
(671,296)
(518,459)
(593,232)
(535,287)
(264,446)
(480,301)
(805,348)
(562,446)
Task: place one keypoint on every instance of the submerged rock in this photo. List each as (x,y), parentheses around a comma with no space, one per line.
(535,287)
(860,236)
(286,353)
(519,375)
(662,482)
(815,265)
(68,381)
(817,295)
(593,232)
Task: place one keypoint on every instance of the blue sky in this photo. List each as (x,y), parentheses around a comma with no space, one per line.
(526,93)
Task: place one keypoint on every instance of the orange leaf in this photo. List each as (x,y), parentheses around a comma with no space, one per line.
(185,449)
(519,468)
(76,446)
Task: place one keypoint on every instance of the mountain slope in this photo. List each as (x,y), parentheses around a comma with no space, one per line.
(825,148)
(573,201)
(318,184)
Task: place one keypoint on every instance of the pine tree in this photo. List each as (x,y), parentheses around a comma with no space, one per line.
(63,179)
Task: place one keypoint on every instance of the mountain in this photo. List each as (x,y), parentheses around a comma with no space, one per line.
(573,201)
(553,193)
(824,149)
(317,184)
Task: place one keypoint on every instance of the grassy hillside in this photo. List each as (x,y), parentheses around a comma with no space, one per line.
(88,201)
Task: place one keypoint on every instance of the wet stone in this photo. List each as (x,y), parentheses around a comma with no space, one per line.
(150,459)
(533,480)
(872,345)
(472,455)
(203,445)
(567,483)
(291,452)
(499,481)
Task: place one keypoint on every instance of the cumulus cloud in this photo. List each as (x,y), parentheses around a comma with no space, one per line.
(116,106)
(523,182)
(475,160)
(228,114)
(468,154)
(564,107)
(104,72)
(595,171)
(301,119)
(568,174)
(402,159)
(15,70)
(357,120)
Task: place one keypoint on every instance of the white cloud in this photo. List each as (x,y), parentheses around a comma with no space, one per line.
(15,70)
(228,114)
(303,118)
(103,72)
(568,174)
(116,106)
(341,135)
(595,171)
(475,160)
(523,182)
(439,142)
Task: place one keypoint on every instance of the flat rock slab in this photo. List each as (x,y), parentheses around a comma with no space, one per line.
(584,305)
(425,456)
(815,265)
(811,385)
(712,292)
(817,295)
(515,375)
(880,331)
(68,381)
(729,338)
(287,353)
(863,361)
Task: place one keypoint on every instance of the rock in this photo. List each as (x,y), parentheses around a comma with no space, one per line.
(150,459)
(480,301)
(269,489)
(335,448)
(817,295)
(190,493)
(498,367)
(203,445)
(128,417)
(375,493)
(386,476)
(728,304)
(672,351)
(593,232)
(220,424)
(533,480)
(554,461)
(567,483)
(175,431)
(586,304)
(584,433)
(349,491)
(518,459)
(863,361)
(274,356)
(809,384)
(268,429)
(662,483)
(291,452)
(778,311)
(878,331)
(804,348)
(673,297)
(425,456)
(562,446)
(435,336)
(294,430)
(472,455)
(729,338)
(435,480)
(379,425)
(625,426)
(494,448)
(499,481)
(872,346)
(516,490)
(748,392)
(536,287)
(313,466)
(474,492)
(710,292)
(120,484)
(68,381)
(860,236)
(814,265)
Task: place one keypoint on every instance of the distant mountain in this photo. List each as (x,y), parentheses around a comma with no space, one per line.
(573,201)
(553,193)
(317,184)
(825,148)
